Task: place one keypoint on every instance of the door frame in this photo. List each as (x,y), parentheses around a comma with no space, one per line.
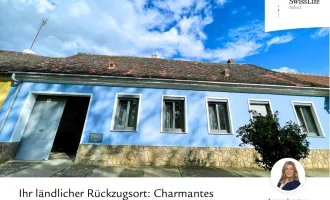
(29,104)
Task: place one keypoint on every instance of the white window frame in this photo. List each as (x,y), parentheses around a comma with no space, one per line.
(114,110)
(315,116)
(185,114)
(230,121)
(267,101)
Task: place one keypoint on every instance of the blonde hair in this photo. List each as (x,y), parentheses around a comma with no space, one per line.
(295,173)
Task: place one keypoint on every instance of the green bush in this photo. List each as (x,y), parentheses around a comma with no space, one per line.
(272,141)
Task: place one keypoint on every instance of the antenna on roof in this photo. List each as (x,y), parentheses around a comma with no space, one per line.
(43,23)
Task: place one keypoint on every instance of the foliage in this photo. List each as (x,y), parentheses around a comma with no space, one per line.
(273,142)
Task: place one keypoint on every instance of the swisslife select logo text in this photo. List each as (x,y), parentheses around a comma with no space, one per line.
(297,4)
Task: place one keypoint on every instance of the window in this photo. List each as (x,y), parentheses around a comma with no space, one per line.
(260,106)
(173,115)
(218,115)
(306,117)
(126,115)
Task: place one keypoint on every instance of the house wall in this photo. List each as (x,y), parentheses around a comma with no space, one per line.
(102,106)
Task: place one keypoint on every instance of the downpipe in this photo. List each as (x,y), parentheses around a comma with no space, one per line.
(12,101)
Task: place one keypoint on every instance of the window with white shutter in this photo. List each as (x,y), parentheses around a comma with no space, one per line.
(260,107)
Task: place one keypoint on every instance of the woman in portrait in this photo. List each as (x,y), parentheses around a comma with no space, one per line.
(289,178)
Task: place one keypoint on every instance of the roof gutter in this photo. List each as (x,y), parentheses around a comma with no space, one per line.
(5,77)
(169,83)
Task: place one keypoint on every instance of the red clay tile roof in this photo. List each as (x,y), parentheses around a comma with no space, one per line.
(322,80)
(127,66)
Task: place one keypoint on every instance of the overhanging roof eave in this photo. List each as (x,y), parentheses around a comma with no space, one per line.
(170,83)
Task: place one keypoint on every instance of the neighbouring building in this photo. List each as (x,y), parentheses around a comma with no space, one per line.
(4,89)
(121,110)
(7,88)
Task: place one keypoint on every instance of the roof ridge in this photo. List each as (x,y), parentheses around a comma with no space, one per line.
(168,59)
(131,56)
(304,74)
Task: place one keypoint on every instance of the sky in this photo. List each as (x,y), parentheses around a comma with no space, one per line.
(198,30)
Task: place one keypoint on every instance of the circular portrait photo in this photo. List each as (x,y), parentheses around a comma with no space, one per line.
(288,174)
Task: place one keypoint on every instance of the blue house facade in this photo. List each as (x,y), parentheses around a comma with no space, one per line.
(140,121)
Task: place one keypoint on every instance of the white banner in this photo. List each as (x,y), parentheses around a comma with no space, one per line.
(159,188)
(293,14)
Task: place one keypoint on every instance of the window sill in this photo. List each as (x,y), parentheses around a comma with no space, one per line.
(312,136)
(167,132)
(316,136)
(219,133)
(123,131)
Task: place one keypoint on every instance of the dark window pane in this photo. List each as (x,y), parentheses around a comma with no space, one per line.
(179,115)
(168,115)
(213,117)
(300,119)
(223,116)
(122,113)
(132,117)
(310,121)
(269,112)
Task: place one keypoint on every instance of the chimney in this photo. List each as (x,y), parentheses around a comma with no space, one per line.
(154,56)
(231,61)
(226,73)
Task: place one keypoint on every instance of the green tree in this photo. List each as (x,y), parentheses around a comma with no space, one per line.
(272,141)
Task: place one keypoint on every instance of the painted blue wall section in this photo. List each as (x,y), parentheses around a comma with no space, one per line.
(102,104)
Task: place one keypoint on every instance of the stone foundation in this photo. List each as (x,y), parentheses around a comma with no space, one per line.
(7,150)
(318,158)
(121,155)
